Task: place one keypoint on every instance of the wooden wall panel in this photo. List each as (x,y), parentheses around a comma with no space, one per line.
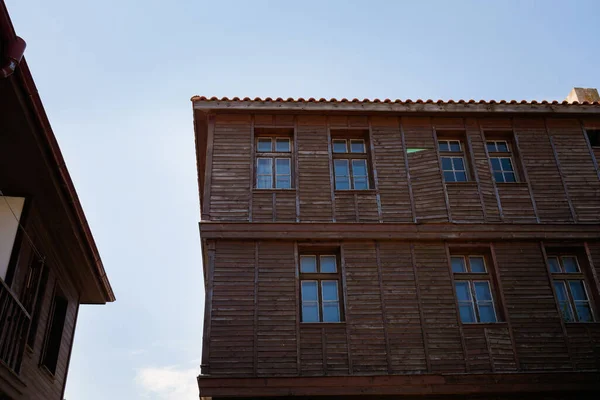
(314,173)
(577,167)
(584,352)
(276,329)
(311,351)
(230,181)
(407,350)
(262,206)
(285,206)
(366,204)
(515,199)
(439,308)
(335,343)
(323,350)
(501,349)
(538,158)
(465,202)
(345,207)
(531,307)
(424,169)
(367,336)
(482,169)
(477,351)
(232,328)
(391,172)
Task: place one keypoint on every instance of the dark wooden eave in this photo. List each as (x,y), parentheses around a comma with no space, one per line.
(30,104)
(400,385)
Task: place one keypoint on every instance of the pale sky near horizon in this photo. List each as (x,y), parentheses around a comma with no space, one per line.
(116,77)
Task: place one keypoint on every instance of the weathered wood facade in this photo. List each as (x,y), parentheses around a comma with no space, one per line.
(49,264)
(402,331)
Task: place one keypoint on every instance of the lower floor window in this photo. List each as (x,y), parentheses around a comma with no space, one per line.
(475,301)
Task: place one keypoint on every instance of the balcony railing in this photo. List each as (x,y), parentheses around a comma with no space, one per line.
(14,323)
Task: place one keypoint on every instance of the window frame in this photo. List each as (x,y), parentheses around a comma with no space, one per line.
(471,278)
(57,294)
(320,277)
(350,136)
(274,155)
(461,153)
(499,155)
(566,278)
(589,132)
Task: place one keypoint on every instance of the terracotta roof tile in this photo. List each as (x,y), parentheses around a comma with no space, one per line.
(397,101)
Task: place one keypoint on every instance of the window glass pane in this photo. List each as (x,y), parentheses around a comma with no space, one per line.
(446,164)
(264,166)
(570,264)
(361,183)
(328,264)
(283,182)
(310,312)
(454,145)
(264,145)
(282,145)
(477,264)
(459,164)
(443,145)
(495,163)
(491,146)
(282,166)
(561,291)
(482,291)
(331,312)
(308,264)
(264,181)
(553,264)
(449,177)
(498,177)
(466,313)
(584,313)
(509,177)
(458,264)
(565,310)
(506,164)
(359,167)
(357,146)
(330,290)
(309,291)
(577,290)
(339,146)
(486,313)
(342,178)
(461,177)
(502,147)
(462,291)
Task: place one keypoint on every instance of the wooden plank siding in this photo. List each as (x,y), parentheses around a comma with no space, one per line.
(400,310)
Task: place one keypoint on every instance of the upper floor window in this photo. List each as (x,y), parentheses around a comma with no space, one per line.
(350,163)
(273,162)
(452,156)
(570,287)
(320,287)
(473,288)
(58,314)
(593,136)
(501,158)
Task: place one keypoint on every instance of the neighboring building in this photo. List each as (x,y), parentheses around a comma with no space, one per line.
(49,264)
(380,248)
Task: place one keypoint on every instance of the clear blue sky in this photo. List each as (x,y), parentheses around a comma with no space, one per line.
(116,77)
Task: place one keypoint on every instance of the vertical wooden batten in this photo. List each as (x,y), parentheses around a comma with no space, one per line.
(252,168)
(437,153)
(406,166)
(374,167)
(524,168)
(460,326)
(383,309)
(296,169)
(208,307)
(421,316)
(298,305)
(560,172)
(346,314)
(331,170)
(255,346)
(474,168)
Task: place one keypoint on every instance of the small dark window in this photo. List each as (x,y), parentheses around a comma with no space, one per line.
(594,137)
(58,313)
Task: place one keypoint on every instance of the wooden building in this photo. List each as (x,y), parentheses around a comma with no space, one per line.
(49,264)
(390,249)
